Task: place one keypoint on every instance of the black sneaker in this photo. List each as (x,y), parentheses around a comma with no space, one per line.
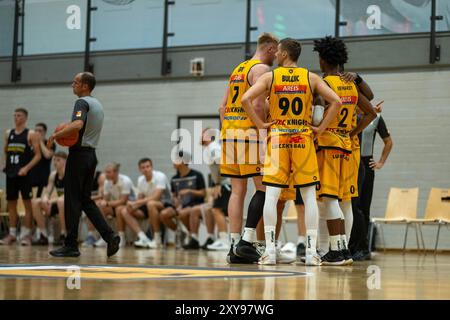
(333,258)
(347,256)
(247,251)
(42,241)
(301,250)
(65,252)
(207,243)
(361,255)
(113,245)
(192,245)
(234,259)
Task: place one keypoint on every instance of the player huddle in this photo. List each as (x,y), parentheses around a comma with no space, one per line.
(272,131)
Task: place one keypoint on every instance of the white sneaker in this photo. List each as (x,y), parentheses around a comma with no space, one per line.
(100,243)
(289,247)
(313,260)
(122,242)
(152,244)
(285,257)
(142,243)
(268,258)
(219,245)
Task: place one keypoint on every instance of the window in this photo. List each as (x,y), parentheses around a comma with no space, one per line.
(300,19)
(374,17)
(127,24)
(6,27)
(54,26)
(443,9)
(197,22)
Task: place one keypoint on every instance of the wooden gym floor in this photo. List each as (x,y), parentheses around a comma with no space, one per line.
(30,273)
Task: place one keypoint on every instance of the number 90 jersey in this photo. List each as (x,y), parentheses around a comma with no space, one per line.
(235,118)
(337,134)
(290,102)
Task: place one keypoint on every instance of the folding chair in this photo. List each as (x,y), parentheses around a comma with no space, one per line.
(401,207)
(437,213)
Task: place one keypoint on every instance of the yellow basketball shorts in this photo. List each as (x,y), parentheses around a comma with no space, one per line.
(351,169)
(290,159)
(333,164)
(241,159)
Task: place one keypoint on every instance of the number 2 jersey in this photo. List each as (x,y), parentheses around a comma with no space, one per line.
(18,152)
(337,135)
(236,120)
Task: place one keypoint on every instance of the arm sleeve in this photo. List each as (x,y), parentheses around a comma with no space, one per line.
(382,129)
(80,110)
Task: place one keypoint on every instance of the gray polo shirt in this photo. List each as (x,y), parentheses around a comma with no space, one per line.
(90,111)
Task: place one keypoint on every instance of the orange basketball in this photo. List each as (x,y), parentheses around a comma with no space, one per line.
(66,141)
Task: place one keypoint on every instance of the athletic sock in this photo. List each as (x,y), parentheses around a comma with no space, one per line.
(249,235)
(90,233)
(211,236)
(44,232)
(335,244)
(194,236)
(24,232)
(301,239)
(63,232)
(157,237)
(344,242)
(269,232)
(122,236)
(223,236)
(235,237)
(311,241)
(13,232)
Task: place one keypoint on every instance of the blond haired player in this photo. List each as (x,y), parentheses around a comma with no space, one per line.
(241,146)
(335,147)
(290,148)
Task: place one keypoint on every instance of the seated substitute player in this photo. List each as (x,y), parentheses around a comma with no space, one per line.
(290,148)
(335,147)
(220,193)
(153,197)
(117,191)
(46,206)
(188,190)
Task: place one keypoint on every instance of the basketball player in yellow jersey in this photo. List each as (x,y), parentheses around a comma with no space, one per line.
(241,147)
(290,148)
(335,145)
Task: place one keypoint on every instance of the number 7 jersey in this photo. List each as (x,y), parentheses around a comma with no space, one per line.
(235,117)
(290,102)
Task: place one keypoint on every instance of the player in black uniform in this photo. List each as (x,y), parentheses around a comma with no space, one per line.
(22,152)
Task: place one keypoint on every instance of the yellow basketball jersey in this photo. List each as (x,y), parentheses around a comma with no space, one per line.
(355,139)
(235,115)
(290,102)
(337,134)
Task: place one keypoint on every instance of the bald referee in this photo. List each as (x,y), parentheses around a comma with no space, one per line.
(87,119)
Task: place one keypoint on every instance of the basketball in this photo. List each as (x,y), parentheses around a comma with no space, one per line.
(66,141)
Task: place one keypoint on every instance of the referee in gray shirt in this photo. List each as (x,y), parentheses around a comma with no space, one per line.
(359,242)
(87,119)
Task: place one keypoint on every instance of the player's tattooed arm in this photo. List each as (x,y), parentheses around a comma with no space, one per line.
(260,88)
(368,114)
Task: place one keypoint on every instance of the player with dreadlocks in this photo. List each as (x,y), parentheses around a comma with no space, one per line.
(335,146)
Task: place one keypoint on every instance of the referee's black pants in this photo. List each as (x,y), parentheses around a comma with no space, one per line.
(359,239)
(78,180)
